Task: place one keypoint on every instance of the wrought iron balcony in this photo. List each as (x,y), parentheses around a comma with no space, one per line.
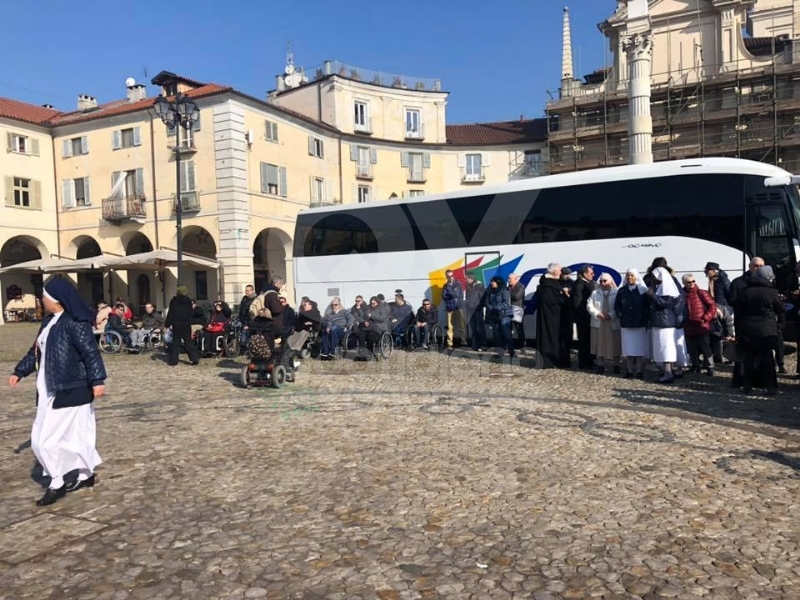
(122,208)
(190,202)
(473,175)
(364,171)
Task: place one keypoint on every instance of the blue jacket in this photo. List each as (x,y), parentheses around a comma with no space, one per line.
(453,295)
(721,287)
(666,311)
(74,364)
(498,304)
(632,308)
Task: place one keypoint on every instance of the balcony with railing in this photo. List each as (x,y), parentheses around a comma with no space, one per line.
(124,208)
(321,203)
(190,203)
(364,171)
(473,175)
(365,126)
(416,176)
(416,133)
(403,82)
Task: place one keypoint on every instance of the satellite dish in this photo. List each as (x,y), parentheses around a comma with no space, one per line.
(289,69)
(130,82)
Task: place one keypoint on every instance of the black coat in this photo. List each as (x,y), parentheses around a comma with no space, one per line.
(632,308)
(580,296)
(244,310)
(179,311)
(666,311)
(758,308)
(73,365)
(548,320)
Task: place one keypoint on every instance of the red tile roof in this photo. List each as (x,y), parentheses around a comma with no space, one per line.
(121,107)
(22,111)
(498,134)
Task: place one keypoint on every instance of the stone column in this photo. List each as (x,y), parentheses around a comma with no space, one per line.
(639,51)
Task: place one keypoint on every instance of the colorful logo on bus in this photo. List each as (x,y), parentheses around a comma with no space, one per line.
(495,266)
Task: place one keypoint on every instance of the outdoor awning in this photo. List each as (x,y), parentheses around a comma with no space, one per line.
(36,266)
(163,258)
(93,263)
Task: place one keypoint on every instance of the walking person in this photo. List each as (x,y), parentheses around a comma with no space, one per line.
(631,306)
(179,320)
(70,376)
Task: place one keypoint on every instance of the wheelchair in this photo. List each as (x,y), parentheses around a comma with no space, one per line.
(312,346)
(232,343)
(435,339)
(348,345)
(275,371)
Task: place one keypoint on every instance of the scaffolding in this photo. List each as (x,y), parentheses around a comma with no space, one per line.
(714,110)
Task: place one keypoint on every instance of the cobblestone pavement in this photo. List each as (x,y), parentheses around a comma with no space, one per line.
(420,477)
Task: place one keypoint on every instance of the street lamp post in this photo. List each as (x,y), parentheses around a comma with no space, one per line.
(182,112)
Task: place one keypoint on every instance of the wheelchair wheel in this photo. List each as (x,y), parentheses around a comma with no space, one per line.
(437,340)
(386,345)
(245,377)
(349,344)
(278,376)
(305,353)
(111,342)
(231,345)
(408,338)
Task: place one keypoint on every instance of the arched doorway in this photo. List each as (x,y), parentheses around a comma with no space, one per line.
(139,287)
(22,292)
(269,256)
(202,284)
(90,285)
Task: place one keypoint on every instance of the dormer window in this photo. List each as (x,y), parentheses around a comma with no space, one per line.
(170,89)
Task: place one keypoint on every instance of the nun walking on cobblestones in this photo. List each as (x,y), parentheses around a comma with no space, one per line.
(70,375)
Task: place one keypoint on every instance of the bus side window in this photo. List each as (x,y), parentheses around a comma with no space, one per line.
(768,234)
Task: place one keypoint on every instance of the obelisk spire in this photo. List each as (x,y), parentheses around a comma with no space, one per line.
(567,72)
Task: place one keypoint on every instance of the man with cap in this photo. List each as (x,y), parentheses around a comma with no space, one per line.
(179,319)
(718,283)
(70,376)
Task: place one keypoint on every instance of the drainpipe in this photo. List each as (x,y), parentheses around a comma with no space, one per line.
(55,191)
(341,176)
(153,166)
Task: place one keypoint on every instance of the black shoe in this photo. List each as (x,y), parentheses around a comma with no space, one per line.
(782,370)
(666,381)
(710,372)
(640,376)
(52,496)
(628,376)
(76,485)
(617,370)
(195,363)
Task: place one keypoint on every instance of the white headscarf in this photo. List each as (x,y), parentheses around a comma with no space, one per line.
(639,285)
(667,287)
(610,278)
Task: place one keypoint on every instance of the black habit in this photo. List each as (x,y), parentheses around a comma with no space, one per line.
(548,321)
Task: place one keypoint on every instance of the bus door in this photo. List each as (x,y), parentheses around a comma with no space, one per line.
(769,235)
(472,261)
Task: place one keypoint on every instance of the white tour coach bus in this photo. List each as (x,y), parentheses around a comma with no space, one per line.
(722,210)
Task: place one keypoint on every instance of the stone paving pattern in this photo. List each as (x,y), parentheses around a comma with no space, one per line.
(424,476)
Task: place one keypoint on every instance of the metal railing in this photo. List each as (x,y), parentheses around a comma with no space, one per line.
(335,67)
(124,207)
(472,175)
(190,202)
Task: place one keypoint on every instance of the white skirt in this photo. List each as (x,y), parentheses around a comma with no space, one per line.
(664,347)
(682,360)
(634,341)
(64,439)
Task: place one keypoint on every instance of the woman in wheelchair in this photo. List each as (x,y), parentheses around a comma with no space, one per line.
(375,325)
(116,322)
(214,332)
(261,326)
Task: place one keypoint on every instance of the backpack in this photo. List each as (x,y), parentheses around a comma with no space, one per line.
(259,302)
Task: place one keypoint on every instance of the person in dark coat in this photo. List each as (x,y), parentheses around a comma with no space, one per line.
(583,288)
(735,292)
(70,376)
(179,320)
(475,304)
(633,309)
(718,283)
(517,291)
(566,326)
(548,317)
(498,315)
(757,329)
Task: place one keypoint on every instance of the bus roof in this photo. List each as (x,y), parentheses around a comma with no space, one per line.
(659,169)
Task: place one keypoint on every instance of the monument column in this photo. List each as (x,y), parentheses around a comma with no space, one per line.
(639,51)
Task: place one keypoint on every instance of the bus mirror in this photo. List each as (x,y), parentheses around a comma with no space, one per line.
(782,181)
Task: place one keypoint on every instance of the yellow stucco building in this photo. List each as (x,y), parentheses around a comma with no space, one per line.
(102,178)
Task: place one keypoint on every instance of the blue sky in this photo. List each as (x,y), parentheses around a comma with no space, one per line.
(497,59)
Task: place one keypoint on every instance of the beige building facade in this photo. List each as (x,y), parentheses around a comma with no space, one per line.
(103,180)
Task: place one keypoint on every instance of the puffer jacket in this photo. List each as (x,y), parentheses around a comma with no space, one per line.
(74,366)
(721,286)
(335,319)
(632,308)
(404,314)
(431,316)
(498,304)
(666,311)
(357,315)
(701,310)
(475,296)
(378,318)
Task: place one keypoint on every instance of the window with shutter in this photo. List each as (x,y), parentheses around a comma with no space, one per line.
(22,190)
(353,152)
(271,131)
(283,184)
(87,190)
(84,145)
(9,190)
(80,192)
(36,194)
(10,142)
(116,139)
(66,148)
(66,190)
(311,145)
(196,124)
(187,176)
(34,147)
(373,156)
(139,191)
(272,181)
(264,179)
(137,136)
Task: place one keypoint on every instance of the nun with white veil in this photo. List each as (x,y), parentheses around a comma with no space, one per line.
(70,376)
(632,308)
(666,310)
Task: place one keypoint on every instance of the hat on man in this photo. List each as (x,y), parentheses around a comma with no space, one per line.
(711,266)
(566,271)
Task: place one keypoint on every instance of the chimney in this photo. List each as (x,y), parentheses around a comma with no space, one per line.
(86,102)
(137,92)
